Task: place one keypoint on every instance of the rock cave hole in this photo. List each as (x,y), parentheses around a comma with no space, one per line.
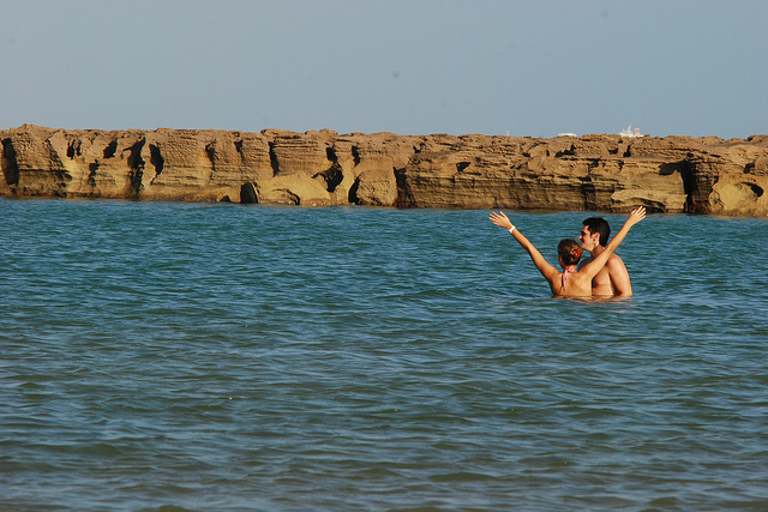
(110,150)
(757,190)
(356,155)
(273,159)
(155,158)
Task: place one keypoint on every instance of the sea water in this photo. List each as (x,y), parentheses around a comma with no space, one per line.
(172,357)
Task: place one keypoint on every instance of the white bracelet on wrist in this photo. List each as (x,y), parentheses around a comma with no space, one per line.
(511,229)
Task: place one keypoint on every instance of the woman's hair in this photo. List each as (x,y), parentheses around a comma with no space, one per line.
(570,251)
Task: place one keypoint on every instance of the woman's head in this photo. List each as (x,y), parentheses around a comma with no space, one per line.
(569,251)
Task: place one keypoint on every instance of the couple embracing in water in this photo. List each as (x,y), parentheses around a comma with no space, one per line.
(602,274)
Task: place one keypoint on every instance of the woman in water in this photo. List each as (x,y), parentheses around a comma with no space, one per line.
(570,282)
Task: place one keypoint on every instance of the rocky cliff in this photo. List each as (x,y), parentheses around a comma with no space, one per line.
(595,172)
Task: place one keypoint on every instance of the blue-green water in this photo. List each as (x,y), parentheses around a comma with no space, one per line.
(194,357)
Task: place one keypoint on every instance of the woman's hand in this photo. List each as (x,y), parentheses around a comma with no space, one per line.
(636,216)
(502,220)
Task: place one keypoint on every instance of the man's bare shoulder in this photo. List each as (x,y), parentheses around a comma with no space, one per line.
(614,261)
(619,277)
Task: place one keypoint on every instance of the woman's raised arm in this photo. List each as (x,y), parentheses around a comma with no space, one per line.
(547,270)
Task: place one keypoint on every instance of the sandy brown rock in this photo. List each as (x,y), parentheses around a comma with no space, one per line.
(593,172)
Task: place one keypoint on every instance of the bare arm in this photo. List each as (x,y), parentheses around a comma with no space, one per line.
(547,270)
(593,267)
(619,277)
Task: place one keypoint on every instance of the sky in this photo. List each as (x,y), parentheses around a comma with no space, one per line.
(496,67)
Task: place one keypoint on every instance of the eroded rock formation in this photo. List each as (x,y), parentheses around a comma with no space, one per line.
(594,172)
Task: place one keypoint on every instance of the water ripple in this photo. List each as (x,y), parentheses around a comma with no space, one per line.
(172,358)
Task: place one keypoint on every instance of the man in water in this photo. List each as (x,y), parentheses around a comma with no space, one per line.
(613,279)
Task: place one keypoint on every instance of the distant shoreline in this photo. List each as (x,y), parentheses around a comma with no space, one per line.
(609,173)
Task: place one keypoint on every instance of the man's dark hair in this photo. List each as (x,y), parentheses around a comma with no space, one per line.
(599,225)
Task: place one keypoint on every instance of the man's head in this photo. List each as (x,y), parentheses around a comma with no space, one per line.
(596,231)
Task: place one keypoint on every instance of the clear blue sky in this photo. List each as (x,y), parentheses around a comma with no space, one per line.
(537,67)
